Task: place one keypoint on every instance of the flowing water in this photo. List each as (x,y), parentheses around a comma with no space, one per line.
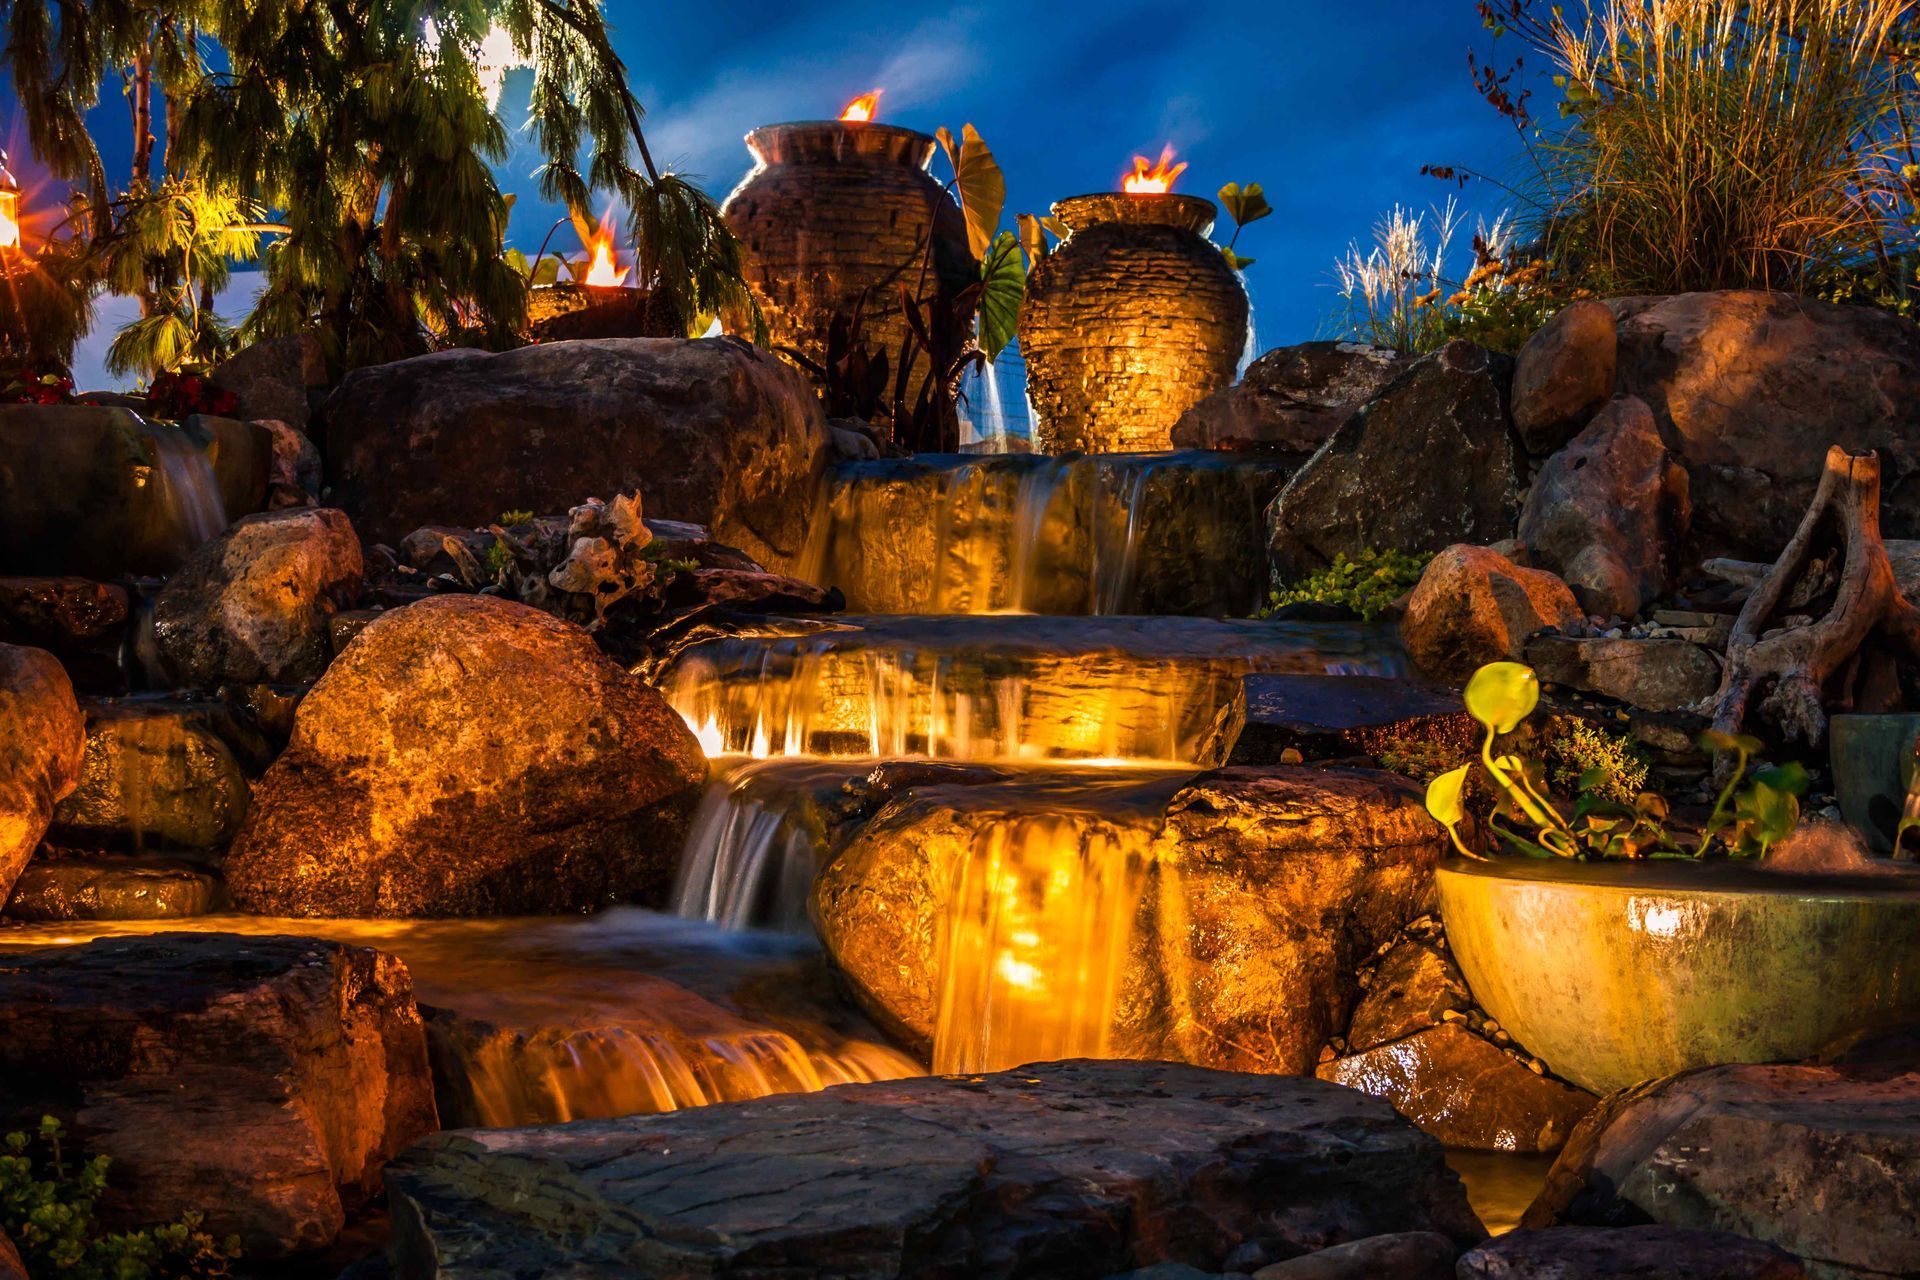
(756,842)
(998,687)
(1178,533)
(189,492)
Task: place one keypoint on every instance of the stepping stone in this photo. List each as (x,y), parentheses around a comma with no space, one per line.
(109,888)
(1068,1171)
(1327,717)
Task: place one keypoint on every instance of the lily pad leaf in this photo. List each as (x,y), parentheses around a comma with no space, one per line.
(1502,694)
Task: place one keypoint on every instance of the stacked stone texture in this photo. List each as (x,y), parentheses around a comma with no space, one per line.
(1130,323)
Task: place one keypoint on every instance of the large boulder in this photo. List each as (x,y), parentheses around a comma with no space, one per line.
(1564,375)
(1610,513)
(43,738)
(1750,389)
(710,431)
(252,605)
(1260,892)
(156,774)
(1291,398)
(1428,462)
(1474,606)
(1823,1161)
(261,1082)
(1060,1171)
(276,377)
(468,756)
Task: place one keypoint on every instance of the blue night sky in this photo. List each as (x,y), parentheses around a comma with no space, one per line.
(1333,108)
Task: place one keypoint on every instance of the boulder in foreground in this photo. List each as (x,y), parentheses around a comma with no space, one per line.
(1068,1171)
(262,1082)
(43,738)
(469,756)
(1630,1253)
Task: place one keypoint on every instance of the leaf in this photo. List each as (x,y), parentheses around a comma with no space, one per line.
(1444,796)
(1234,260)
(1004,278)
(1502,694)
(545,272)
(1791,778)
(1714,742)
(1246,204)
(1033,236)
(1060,230)
(981,185)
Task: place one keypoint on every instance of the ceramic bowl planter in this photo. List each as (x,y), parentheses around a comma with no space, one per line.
(1133,320)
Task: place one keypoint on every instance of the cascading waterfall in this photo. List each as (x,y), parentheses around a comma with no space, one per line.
(189,491)
(751,853)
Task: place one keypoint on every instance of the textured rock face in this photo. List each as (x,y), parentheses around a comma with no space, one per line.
(1291,399)
(1656,674)
(1630,1253)
(1265,890)
(1564,376)
(262,1082)
(295,480)
(42,739)
(154,774)
(1750,389)
(709,431)
(1610,512)
(1128,324)
(252,605)
(56,610)
(467,756)
(1475,606)
(1067,1171)
(1428,462)
(1823,1162)
(274,378)
(112,888)
(1329,717)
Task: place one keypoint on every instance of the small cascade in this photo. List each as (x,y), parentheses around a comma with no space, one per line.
(189,492)
(1034,941)
(998,688)
(1110,534)
(752,852)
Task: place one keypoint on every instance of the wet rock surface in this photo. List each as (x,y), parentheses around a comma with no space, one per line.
(1474,606)
(709,431)
(156,774)
(252,605)
(1564,375)
(263,1082)
(1823,1162)
(105,887)
(1610,513)
(1064,1170)
(1291,399)
(467,756)
(42,741)
(40,611)
(1428,462)
(1329,717)
(1631,1253)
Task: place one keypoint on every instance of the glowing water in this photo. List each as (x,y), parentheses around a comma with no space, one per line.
(751,853)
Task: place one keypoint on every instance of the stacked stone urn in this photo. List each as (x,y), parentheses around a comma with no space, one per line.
(1131,322)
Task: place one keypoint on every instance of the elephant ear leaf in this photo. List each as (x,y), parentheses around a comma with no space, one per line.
(1502,694)
(1004,289)
(982,187)
(1246,204)
(1445,797)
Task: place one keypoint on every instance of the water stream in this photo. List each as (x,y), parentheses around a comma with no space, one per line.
(188,490)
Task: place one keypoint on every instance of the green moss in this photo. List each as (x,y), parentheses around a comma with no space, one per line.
(1366,584)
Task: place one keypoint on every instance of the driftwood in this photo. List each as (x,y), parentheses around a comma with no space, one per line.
(1796,663)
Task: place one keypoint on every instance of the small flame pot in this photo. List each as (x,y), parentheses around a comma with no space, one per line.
(1128,324)
(834,211)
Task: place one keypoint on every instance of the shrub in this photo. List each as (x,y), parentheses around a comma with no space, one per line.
(1366,584)
(47,1210)
(1582,756)
(1722,144)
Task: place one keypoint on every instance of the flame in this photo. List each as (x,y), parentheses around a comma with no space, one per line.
(861,109)
(1154,180)
(603,274)
(9,220)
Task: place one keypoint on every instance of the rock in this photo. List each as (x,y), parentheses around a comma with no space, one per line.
(42,739)
(60,610)
(1609,513)
(709,431)
(1823,1162)
(1409,989)
(1465,1091)
(1655,674)
(1291,398)
(109,888)
(262,1082)
(1564,375)
(1405,1255)
(1652,1253)
(1262,891)
(1330,717)
(1474,606)
(1428,462)
(745,591)
(275,378)
(1067,1171)
(155,773)
(11,1268)
(1749,390)
(467,756)
(851,444)
(252,605)
(296,462)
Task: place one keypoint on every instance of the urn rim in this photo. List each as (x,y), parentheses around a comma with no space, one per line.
(851,142)
(1190,213)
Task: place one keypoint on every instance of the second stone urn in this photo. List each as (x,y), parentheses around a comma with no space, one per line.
(1132,321)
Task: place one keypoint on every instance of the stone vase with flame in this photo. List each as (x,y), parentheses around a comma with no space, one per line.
(1132,321)
(600,304)
(836,215)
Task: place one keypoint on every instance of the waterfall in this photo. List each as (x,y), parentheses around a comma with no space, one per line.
(189,492)
(752,852)
(1124,484)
